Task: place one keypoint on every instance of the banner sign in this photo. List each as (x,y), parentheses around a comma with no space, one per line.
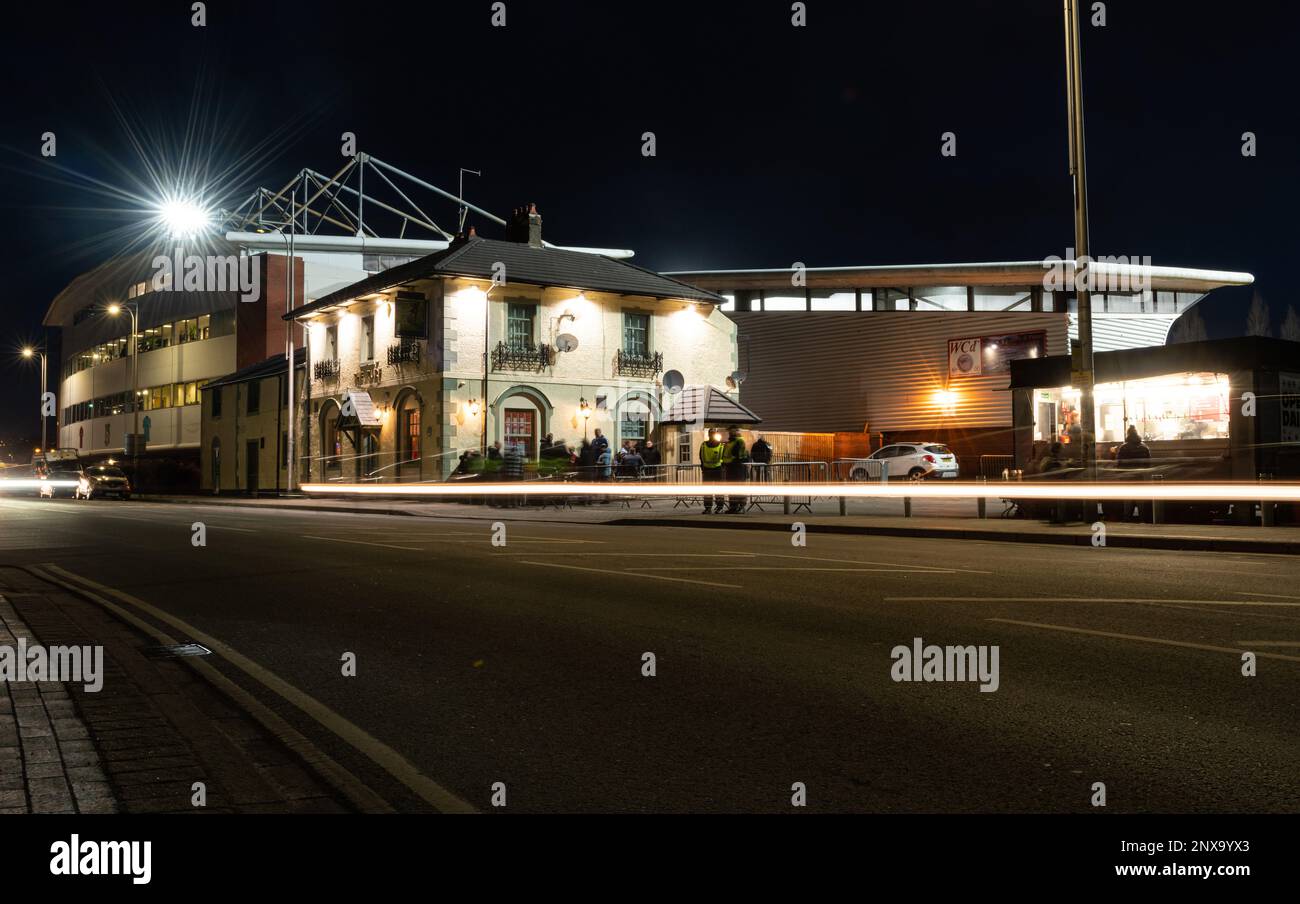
(1289,389)
(980,356)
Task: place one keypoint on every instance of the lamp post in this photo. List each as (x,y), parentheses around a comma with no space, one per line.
(133,310)
(1082,365)
(29,353)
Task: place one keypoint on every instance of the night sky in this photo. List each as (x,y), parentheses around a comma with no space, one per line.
(775,144)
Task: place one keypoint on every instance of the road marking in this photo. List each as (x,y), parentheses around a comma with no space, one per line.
(386,757)
(1278,596)
(1156,640)
(632,574)
(656,555)
(721,567)
(360,542)
(934,568)
(1072,599)
(1257,643)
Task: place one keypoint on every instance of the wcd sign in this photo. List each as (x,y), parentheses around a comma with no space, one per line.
(964,357)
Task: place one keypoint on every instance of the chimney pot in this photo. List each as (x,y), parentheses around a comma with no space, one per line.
(534,227)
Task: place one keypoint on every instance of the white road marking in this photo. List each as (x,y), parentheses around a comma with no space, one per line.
(934,568)
(1237,651)
(360,542)
(633,574)
(386,757)
(1278,596)
(1073,599)
(1250,644)
(723,567)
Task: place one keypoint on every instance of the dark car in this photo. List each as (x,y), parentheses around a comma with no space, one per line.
(103,480)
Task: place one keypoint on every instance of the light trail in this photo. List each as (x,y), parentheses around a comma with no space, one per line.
(1169,492)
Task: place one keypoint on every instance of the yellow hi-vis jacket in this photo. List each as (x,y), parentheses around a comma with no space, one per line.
(711,455)
(733,451)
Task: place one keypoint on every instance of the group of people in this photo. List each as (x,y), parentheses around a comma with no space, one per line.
(726,462)
(1132,453)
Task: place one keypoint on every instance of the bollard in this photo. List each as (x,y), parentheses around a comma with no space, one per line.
(1157,505)
(785,504)
(981,501)
(844,505)
(907,506)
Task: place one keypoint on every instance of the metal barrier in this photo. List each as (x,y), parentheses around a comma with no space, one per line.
(995,466)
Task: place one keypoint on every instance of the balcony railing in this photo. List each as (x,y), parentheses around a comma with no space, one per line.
(325,370)
(521,357)
(410,352)
(644,367)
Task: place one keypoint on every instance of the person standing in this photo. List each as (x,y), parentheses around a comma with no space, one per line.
(734,456)
(651,453)
(599,443)
(761,456)
(711,451)
(1134,453)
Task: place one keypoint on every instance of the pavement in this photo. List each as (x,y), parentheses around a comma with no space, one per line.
(448,664)
(154,738)
(935,519)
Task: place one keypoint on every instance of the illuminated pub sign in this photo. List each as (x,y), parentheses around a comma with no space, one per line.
(979,356)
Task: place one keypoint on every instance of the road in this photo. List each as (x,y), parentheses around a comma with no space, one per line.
(522,663)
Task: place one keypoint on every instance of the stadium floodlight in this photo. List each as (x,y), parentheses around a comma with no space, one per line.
(182,217)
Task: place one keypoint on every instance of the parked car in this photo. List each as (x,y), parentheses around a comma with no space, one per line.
(913,461)
(102,480)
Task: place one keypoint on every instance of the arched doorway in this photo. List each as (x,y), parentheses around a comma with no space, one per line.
(410,432)
(636,415)
(523,417)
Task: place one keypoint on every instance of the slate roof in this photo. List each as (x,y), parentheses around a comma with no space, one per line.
(271,367)
(707,405)
(549,267)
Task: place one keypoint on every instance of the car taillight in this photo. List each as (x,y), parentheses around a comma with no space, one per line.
(929,458)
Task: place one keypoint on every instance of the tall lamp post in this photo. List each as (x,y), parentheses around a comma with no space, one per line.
(1082,364)
(133,310)
(29,353)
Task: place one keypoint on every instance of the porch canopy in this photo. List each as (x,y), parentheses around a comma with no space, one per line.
(703,405)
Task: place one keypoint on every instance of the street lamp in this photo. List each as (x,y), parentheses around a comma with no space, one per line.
(584,410)
(30,353)
(133,310)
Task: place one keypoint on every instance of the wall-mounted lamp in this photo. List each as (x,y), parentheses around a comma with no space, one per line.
(474,407)
(584,411)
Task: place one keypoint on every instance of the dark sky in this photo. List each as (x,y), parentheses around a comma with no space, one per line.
(775,144)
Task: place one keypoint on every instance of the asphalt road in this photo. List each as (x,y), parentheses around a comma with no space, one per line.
(522,663)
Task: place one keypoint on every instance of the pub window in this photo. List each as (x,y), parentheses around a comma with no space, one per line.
(216,402)
(332,342)
(519,325)
(368,338)
(636,334)
(254,398)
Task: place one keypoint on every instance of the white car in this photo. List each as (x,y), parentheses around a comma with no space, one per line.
(914,461)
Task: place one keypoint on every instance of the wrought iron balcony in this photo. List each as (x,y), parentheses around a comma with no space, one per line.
(409,352)
(521,357)
(325,370)
(644,367)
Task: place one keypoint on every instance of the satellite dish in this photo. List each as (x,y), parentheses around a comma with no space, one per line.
(566,342)
(674,381)
(738,377)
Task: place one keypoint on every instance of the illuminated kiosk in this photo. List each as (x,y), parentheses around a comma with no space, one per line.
(1221,409)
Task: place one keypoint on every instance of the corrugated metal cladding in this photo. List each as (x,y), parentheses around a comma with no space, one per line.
(877,370)
(1115,332)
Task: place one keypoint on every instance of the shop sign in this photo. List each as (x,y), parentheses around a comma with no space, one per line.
(983,355)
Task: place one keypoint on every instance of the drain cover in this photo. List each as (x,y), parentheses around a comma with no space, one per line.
(176,651)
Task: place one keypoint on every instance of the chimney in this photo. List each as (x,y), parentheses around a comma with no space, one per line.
(534,227)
